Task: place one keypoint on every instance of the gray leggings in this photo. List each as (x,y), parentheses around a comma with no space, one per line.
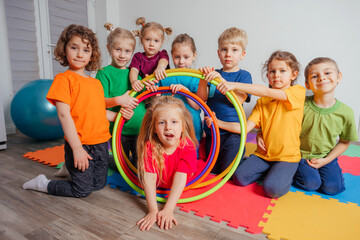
(83,183)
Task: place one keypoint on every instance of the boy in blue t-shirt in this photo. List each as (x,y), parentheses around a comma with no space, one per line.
(231,49)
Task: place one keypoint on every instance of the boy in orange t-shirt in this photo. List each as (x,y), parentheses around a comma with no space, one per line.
(80,103)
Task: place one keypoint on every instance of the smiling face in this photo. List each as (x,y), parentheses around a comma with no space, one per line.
(78,53)
(280,74)
(323,78)
(152,41)
(169,128)
(230,56)
(121,52)
(183,56)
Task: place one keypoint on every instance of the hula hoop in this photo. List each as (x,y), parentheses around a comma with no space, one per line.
(238,107)
(213,153)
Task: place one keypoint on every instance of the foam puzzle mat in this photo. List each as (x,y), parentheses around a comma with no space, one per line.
(297,215)
(238,206)
(50,156)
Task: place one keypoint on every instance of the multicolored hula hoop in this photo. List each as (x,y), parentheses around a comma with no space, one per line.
(130,177)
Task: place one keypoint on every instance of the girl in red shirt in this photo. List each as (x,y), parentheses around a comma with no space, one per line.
(166,157)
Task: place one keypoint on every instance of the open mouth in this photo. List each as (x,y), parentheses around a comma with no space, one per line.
(169,135)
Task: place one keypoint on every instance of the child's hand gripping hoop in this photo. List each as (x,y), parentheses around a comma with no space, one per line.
(124,165)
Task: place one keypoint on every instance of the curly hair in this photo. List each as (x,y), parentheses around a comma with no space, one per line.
(85,34)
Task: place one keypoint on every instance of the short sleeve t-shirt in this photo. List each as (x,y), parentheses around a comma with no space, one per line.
(85,96)
(219,103)
(147,65)
(321,128)
(280,122)
(116,82)
(183,159)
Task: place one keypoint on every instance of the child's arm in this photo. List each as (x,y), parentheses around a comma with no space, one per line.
(260,142)
(159,72)
(165,217)
(254,89)
(81,157)
(150,194)
(177,87)
(211,74)
(124,100)
(135,83)
(230,126)
(203,90)
(340,148)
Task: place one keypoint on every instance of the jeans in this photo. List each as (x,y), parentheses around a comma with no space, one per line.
(277,175)
(229,147)
(328,179)
(83,183)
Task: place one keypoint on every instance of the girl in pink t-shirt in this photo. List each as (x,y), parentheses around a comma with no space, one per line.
(166,157)
(152,60)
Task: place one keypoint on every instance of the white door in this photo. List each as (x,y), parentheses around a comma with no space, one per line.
(53,16)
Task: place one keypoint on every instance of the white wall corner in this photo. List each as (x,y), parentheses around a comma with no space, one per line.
(6,90)
(91,13)
(42,23)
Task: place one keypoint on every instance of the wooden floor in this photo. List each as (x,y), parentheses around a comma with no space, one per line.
(106,214)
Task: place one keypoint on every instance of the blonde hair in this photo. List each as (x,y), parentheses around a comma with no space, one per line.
(147,133)
(234,35)
(288,58)
(85,34)
(116,34)
(317,61)
(186,40)
(150,26)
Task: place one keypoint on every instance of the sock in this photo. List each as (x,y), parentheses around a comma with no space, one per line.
(39,183)
(62,172)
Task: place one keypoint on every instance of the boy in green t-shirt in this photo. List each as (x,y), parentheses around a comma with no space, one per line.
(328,127)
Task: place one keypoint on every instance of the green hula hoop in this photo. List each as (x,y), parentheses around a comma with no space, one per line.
(231,96)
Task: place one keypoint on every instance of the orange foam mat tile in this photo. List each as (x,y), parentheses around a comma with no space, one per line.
(49,156)
(298,216)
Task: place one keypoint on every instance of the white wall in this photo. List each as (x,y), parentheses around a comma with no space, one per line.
(306,28)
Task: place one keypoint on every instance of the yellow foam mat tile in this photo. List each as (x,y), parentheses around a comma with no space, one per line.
(297,216)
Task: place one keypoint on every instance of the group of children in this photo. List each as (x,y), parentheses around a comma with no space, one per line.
(299,140)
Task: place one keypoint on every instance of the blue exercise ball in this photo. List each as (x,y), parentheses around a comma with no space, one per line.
(32,114)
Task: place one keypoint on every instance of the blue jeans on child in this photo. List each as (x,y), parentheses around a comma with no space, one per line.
(229,146)
(328,179)
(277,175)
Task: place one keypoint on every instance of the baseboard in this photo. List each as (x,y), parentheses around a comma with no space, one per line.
(10,129)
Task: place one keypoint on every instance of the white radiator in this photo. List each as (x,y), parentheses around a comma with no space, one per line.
(2,127)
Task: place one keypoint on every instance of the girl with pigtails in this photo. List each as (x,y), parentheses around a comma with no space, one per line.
(116,83)
(152,60)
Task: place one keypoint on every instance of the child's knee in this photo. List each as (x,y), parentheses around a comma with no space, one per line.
(81,192)
(275,191)
(241,180)
(308,184)
(332,189)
